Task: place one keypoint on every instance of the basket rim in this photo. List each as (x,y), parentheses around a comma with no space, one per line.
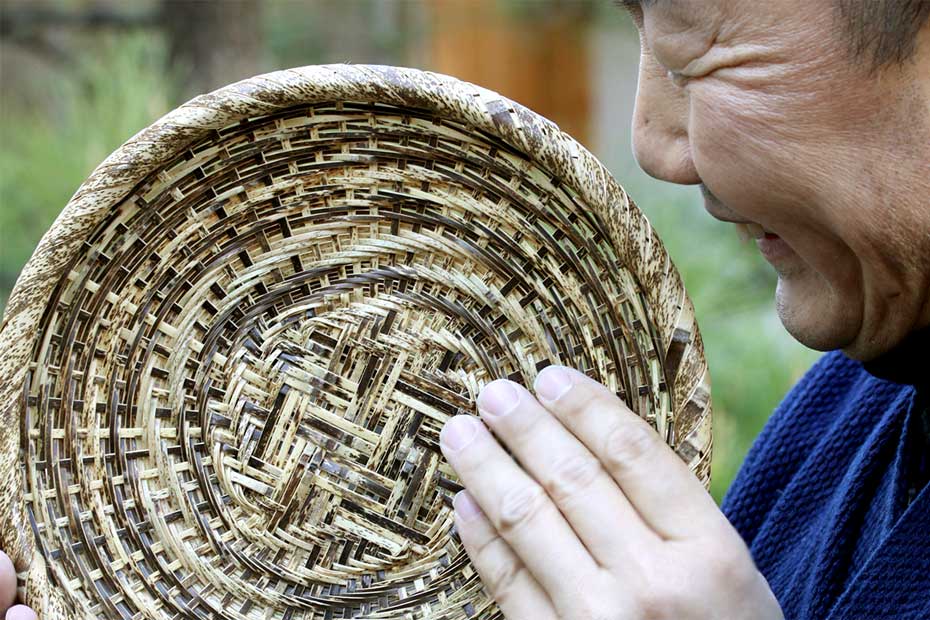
(538,138)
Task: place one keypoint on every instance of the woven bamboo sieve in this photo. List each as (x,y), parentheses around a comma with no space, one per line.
(225,368)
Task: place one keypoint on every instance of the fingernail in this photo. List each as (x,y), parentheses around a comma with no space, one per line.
(552,382)
(499,397)
(465,506)
(458,432)
(20,612)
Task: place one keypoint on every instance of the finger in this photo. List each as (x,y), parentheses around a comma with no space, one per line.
(657,482)
(21,612)
(7,582)
(516,591)
(517,506)
(584,492)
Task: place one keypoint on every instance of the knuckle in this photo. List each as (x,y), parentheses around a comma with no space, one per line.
(586,403)
(571,476)
(627,444)
(579,602)
(591,597)
(599,404)
(651,604)
(520,506)
(485,551)
(729,565)
(596,610)
(500,577)
(502,580)
(584,611)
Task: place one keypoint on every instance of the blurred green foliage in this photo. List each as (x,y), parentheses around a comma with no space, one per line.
(53,137)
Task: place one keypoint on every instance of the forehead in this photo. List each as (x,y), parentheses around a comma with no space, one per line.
(677,11)
(736,8)
(745,20)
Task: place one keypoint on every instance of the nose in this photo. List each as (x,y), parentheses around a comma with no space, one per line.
(661,143)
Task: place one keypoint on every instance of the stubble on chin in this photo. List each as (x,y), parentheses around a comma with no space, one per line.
(812,313)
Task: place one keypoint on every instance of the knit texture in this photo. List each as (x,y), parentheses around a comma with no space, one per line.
(832,498)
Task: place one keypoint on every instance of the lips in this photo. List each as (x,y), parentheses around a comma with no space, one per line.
(745,229)
(751,230)
(776,251)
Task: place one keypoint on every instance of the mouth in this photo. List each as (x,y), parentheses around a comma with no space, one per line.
(772,247)
(744,228)
(751,230)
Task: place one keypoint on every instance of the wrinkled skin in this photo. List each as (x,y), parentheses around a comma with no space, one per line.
(763,105)
(767,109)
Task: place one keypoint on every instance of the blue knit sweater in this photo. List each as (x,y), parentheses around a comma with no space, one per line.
(833,498)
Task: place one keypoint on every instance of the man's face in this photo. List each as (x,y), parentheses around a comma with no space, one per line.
(763,104)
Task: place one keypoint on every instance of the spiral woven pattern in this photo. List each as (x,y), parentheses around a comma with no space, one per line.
(230,401)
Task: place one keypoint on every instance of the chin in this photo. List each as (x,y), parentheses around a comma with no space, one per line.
(814,315)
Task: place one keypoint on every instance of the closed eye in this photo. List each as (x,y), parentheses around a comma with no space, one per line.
(632,4)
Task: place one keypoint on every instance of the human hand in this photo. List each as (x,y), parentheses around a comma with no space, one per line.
(603,521)
(8,592)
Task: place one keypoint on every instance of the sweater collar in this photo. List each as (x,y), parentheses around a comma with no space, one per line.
(907,363)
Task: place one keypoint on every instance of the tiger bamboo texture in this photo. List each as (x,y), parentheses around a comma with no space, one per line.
(225,367)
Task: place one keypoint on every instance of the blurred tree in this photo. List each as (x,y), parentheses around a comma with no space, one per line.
(33,25)
(533,53)
(212,43)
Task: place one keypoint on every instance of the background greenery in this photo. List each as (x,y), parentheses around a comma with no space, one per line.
(72,91)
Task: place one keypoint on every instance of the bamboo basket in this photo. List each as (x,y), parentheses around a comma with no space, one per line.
(226,365)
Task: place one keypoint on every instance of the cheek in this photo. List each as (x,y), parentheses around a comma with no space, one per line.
(774,176)
(745,156)
(725,142)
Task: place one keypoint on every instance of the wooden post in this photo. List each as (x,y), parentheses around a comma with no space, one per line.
(535,54)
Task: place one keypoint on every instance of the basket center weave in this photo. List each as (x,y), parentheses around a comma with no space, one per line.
(321,428)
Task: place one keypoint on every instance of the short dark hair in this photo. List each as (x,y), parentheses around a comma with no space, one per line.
(883,31)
